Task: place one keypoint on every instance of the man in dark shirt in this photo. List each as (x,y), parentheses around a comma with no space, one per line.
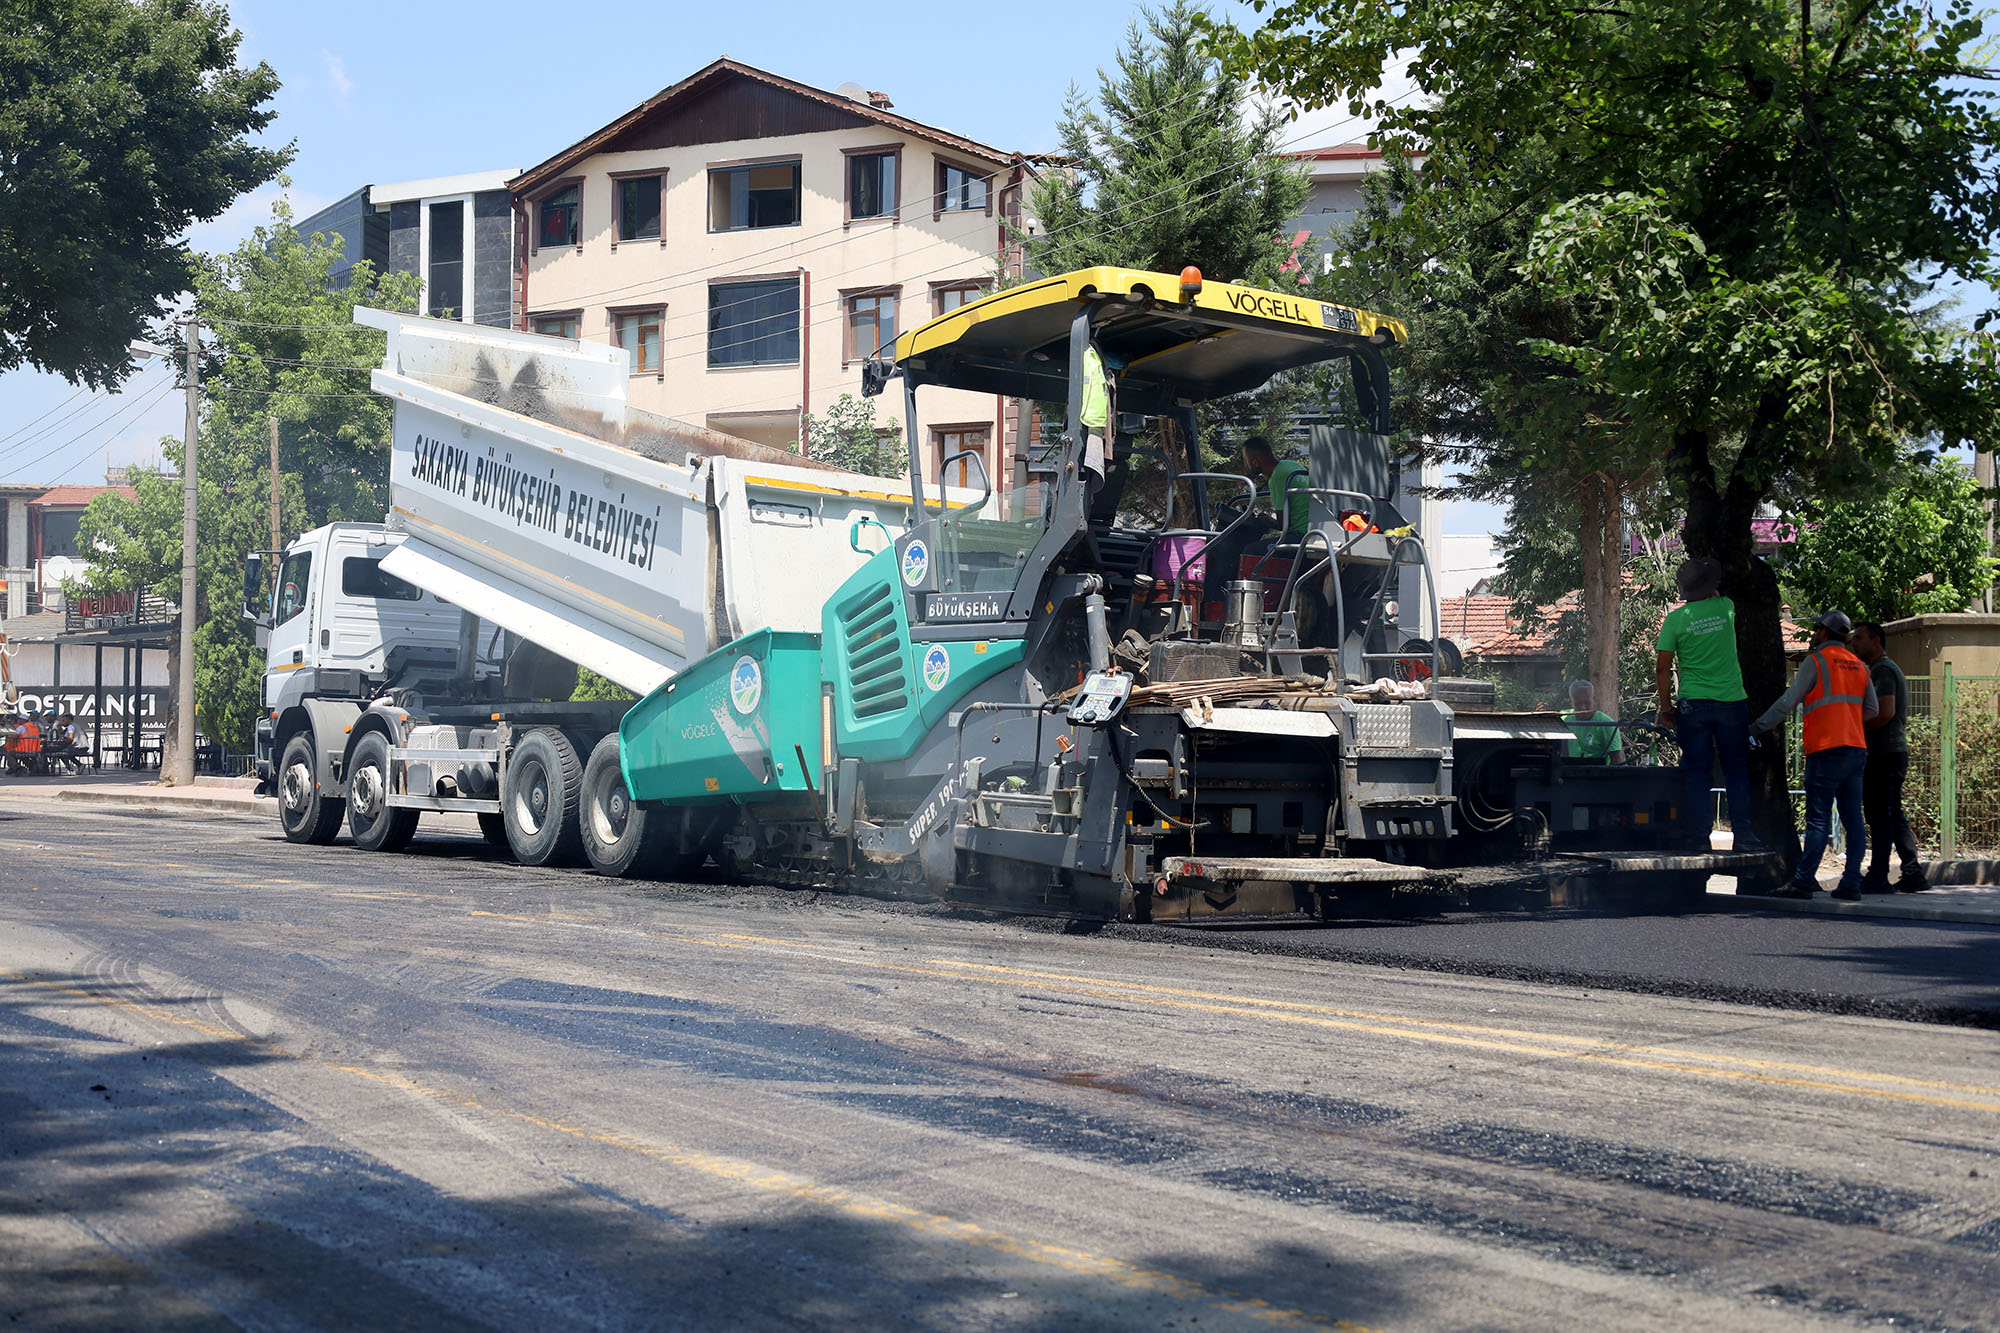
(1888,766)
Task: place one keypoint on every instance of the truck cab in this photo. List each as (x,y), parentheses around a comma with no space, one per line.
(340,629)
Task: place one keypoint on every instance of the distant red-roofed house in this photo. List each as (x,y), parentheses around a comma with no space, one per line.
(1498,645)
(38,526)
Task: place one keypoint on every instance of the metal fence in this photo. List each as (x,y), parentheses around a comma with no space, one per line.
(1953,795)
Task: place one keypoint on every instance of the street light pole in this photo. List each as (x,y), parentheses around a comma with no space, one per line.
(182,772)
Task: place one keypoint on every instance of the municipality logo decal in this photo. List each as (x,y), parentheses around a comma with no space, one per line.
(916,563)
(937,667)
(746,685)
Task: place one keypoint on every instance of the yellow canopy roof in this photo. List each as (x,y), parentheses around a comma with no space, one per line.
(1165,349)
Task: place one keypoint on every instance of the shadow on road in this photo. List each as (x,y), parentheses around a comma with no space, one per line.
(141,1186)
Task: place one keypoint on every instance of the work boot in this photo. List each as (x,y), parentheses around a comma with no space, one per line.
(1912,881)
(1791,891)
(1876,881)
(1849,891)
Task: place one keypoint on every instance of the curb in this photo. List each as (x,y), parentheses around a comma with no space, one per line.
(164,803)
(1890,911)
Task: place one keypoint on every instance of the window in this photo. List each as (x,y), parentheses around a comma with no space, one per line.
(754,323)
(362,577)
(871,185)
(871,324)
(949,296)
(559,220)
(948,440)
(294,577)
(444,273)
(555,326)
(638,208)
(59,532)
(961,190)
(639,333)
(755,196)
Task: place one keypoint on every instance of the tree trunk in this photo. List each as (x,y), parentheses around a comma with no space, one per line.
(1600,499)
(1718,525)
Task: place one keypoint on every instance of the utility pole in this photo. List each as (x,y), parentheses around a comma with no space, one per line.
(1982,475)
(182,772)
(274,496)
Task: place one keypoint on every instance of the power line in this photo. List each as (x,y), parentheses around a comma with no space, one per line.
(143,401)
(52,411)
(70,420)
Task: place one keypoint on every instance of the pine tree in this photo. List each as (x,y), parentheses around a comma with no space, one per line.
(1168,168)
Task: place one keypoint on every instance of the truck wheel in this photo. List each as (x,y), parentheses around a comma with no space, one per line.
(543,787)
(493,828)
(308,814)
(623,838)
(376,825)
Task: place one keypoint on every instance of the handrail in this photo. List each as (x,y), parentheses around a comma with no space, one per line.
(985,481)
(1381,600)
(1249,508)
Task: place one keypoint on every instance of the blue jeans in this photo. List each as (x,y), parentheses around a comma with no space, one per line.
(1708,727)
(1833,775)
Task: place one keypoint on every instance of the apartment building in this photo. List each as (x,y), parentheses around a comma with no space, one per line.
(1339,182)
(749,240)
(456,233)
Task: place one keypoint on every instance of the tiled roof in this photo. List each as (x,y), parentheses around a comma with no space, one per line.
(535,176)
(79,495)
(1483,625)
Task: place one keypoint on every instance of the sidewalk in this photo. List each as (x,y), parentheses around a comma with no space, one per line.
(1960,891)
(121,788)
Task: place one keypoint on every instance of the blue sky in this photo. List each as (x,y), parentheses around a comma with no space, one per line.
(390,93)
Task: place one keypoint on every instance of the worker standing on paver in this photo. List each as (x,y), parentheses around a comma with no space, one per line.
(1838,698)
(1888,767)
(1096,417)
(1698,638)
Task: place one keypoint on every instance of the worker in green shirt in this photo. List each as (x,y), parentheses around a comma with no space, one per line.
(1597,735)
(1288,499)
(1712,719)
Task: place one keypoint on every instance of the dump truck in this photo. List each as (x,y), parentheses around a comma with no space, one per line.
(537,525)
(1016,695)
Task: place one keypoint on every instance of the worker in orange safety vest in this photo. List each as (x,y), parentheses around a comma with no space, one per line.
(1834,689)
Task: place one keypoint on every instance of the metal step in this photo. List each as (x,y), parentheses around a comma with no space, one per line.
(1715,863)
(1295,870)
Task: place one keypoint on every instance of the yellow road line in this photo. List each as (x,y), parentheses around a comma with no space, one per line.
(769,1180)
(1554,1046)
(1482,1029)
(1474,1036)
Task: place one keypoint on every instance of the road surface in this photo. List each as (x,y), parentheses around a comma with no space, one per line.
(264,1086)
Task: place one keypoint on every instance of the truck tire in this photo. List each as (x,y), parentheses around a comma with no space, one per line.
(376,826)
(308,814)
(623,838)
(493,828)
(543,790)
